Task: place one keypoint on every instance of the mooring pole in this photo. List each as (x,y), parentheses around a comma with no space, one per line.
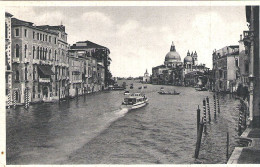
(208,108)
(227,153)
(204,115)
(215,107)
(198,143)
(218,103)
(198,119)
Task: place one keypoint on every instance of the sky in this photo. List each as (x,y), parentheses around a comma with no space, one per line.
(140,37)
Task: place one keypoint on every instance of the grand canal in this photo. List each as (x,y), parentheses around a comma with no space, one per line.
(92,129)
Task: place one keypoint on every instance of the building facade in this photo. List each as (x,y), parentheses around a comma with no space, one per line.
(34,54)
(8,59)
(251,42)
(226,68)
(96,73)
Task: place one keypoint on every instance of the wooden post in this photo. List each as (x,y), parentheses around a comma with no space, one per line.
(204,115)
(218,103)
(198,119)
(9,99)
(198,143)
(240,123)
(208,109)
(215,107)
(227,153)
(14,99)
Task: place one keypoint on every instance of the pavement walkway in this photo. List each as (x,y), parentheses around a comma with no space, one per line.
(250,154)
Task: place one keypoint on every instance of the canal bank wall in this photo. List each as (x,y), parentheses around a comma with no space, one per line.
(249,154)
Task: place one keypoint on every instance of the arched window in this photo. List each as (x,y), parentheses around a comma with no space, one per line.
(33,52)
(17,50)
(25,73)
(46,52)
(38,52)
(236,60)
(50,58)
(41,53)
(55,56)
(17,76)
(25,51)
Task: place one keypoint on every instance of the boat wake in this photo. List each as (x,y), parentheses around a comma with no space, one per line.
(121,112)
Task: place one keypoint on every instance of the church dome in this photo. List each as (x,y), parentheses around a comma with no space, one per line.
(172,55)
(188,58)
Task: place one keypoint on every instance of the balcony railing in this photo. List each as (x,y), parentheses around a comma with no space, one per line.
(77,81)
(36,61)
(26,60)
(44,80)
(16,60)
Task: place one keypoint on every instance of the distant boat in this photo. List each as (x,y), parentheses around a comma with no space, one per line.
(162,92)
(145,86)
(201,89)
(116,87)
(126,92)
(135,101)
(140,87)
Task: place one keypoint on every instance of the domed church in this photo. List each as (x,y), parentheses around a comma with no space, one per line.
(174,70)
(172,58)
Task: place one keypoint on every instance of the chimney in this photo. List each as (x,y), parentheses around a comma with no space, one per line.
(240,37)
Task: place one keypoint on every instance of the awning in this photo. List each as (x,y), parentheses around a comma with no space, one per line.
(46,70)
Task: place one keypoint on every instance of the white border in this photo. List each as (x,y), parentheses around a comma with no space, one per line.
(90,3)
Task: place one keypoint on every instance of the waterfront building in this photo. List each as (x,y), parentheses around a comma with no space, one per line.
(146,77)
(33,52)
(97,75)
(251,42)
(170,71)
(174,70)
(192,69)
(226,68)
(8,58)
(60,82)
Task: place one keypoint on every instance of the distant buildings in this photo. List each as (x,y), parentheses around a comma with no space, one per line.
(41,67)
(175,72)
(146,77)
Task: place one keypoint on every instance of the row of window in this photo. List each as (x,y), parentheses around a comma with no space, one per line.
(36,35)
(38,52)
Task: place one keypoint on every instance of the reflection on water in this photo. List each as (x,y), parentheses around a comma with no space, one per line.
(92,129)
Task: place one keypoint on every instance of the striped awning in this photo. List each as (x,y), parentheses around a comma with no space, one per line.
(46,70)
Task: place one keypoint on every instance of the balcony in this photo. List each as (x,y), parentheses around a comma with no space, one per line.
(77,81)
(16,60)
(25,60)
(248,37)
(36,61)
(44,80)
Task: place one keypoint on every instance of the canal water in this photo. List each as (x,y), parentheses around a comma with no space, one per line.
(92,129)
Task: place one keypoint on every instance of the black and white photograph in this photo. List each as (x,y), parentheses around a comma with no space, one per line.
(94,83)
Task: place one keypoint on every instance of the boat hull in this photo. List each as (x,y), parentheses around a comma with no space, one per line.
(135,106)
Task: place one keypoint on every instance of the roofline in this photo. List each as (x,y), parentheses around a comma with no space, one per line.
(32,27)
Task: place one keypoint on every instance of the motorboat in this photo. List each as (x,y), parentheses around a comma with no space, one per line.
(116,87)
(168,93)
(201,89)
(135,101)
(126,92)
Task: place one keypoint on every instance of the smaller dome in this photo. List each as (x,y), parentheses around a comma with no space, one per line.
(187,59)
